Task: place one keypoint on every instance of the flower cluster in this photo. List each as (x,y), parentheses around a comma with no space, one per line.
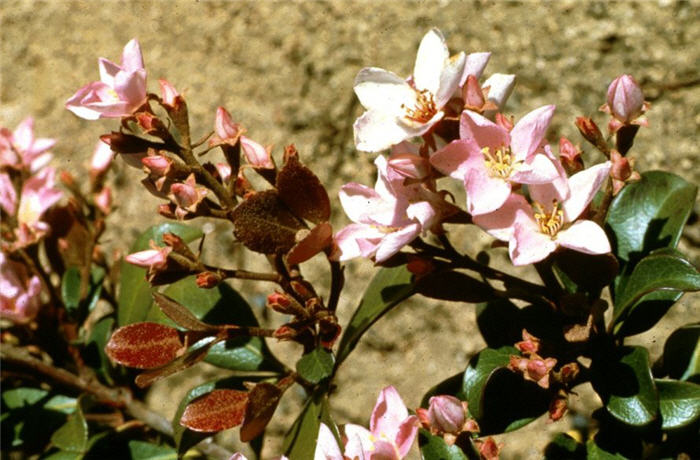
(517,189)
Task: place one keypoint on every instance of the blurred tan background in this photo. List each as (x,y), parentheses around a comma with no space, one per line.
(285,70)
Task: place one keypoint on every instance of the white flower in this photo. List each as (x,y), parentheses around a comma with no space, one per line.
(399,109)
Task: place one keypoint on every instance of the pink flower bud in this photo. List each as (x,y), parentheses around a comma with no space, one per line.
(103,200)
(150,258)
(625,99)
(224,126)
(8,195)
(157,164)
(530,344)
(558,407)
(224,170)
(446,414)
(257,155)
(101,159)
(472,94)
(621,167)
(187,195)
(168,93)
(488,449)
(208,280)
(570,156)
(410,165)
(279,302)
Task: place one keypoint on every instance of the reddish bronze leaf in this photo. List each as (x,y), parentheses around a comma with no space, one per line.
(192,357)
(301,191)
(216,411)
(264,224)
(262,402)
(144,345)
(314,242)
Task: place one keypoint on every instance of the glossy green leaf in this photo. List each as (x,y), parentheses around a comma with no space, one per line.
(135,299)
(435,447)
(663,270)
(623,380)
(681,358)
(221,305)
(387,289)
(21,397)
(564,446)
(316,365)
(646,313)
(499,399)
(679,403)
(595,452)
(70,289)
(649,214)
(94,353)
(145,451)
(300,440)
(73,435)
(61,403)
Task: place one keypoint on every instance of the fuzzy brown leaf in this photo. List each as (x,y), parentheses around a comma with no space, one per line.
(302,191)
(264,224)
(216,411)
(314,242)
(144,345)
(262,402)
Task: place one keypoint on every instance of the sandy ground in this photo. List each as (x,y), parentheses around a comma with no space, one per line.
(285,70)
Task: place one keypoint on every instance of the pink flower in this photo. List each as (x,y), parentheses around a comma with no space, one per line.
(120,91)
(187,196)
(490,159)
(154,258)
(8,195)
(625,103)
(387,217)
(391,434)
(101,159)
(536,231)
(20,150)
(399,109)
(229,132)
(38,195)
(168,93)
(19,292)
(327,447)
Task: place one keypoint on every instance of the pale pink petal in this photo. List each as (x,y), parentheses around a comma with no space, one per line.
(499,223)
(384,450)
(364,205)
(379,89)
(430,60)
(8,195)
(388,413)
(485,133)
(101,157)
(348,241)
(457,158)
(108,70)
(474,65)
(583,187)
(424,212)
(327,447)
(409,165)
(131,87)
(23,135)
(449,79)
(41,145)
(537,169)
(527,134)
(376,130)
(406,435)
(485,194)
(394,241)
(359,444)
(500,86)
(256,154)
(584,236)
(528,245)
(238,456)
(132,59)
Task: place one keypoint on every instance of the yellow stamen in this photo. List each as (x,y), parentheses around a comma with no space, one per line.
(500,163)
(425,108)
(549,223)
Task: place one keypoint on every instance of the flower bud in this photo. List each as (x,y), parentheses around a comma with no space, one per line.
(558,407)
(410,165)
(133,147)
(208,280)
(158,165)
(169,94)
(152,125)
(281,303)
(224,126)
(625,99)
(150,258)
(472,94)
(103,200)
(570,156)
(488,449)
(446,414)
(257,155)
(101,159)
(589,130)
(329,331)
(530,344)
(285,332)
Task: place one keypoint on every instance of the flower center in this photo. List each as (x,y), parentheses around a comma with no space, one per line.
(425,108)
(499,163)
(549,223)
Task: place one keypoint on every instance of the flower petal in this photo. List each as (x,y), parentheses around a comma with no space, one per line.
(585,236)
(430,60)
(388,414)
(500,86)
(449,79)
(537,169)
(499,223)
(348,240)
(108,70)
(8,196)
(485,194)
(326,445)
(406,435)
(527,134)
(528,244)
(359,444)
(394,241)
(474,65)
(456,157)
(485,133)
(583,186)
(379,89)
(376,131)
(132,59)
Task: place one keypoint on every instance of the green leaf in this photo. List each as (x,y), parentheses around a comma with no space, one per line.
(595,452)
(681,358)
(679,403)
(21,397)
(435,447)
(94,352)
(499,323)
(646,313)
(134,292)
(564,446)
(316,365)
(450,386)
(145,451)
(300,441)
(61,403)
(664,269)
(623,380)
(70,289)
(649,214)
(73,435)
(221,305)
(387,289)
(499,399)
